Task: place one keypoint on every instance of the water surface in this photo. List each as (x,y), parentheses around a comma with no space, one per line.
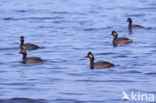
(67,30)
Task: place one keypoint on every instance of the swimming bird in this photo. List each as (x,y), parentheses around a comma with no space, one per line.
(121,40)
(100,64)
(27,46)
(26,59)
(133,26)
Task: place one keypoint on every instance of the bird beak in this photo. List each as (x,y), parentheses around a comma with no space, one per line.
(19,52)
(86,56)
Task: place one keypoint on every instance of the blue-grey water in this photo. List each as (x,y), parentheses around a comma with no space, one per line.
(67,30)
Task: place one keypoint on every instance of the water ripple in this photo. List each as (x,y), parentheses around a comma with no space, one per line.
(22,100)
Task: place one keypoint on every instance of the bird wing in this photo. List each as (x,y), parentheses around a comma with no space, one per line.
(101,62)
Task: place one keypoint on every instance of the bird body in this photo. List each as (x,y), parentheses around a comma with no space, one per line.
(27,46)
(121,40)
(100,64)
(130,26)
(26,59)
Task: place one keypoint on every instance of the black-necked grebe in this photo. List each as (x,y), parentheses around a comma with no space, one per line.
(27,46)
(133,26)
(121,40)
(100,64)
(29,59)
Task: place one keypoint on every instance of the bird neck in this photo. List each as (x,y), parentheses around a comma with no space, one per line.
(115,37)
(24,58)
(91,63)
(22,43)
(130,25)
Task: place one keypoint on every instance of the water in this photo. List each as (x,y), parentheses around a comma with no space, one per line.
(67,30)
